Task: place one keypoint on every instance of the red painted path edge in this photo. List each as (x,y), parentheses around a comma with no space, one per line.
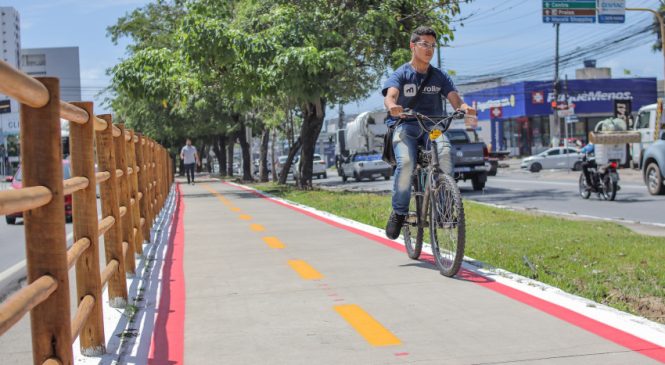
(168,337)
(603,330)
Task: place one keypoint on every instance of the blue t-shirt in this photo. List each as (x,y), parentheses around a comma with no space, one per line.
(407,80)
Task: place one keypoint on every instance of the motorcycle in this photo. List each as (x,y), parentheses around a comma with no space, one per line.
(604,179)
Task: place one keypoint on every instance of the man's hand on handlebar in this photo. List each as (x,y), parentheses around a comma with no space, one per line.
(396,110)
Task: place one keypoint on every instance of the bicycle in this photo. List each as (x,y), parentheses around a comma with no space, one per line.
(435,203)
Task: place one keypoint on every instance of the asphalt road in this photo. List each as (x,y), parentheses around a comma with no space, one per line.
(550,191)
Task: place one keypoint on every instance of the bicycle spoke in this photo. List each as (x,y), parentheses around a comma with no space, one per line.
(447,226)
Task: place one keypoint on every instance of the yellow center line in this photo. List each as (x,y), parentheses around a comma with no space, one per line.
(221,198)
(257,227)
(305,270)
(246,217)
(366,325)
(273,242)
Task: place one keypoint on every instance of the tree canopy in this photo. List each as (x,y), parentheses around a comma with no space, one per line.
(203,67)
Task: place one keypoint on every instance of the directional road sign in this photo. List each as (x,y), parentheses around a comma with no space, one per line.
(569,11)
(611,11)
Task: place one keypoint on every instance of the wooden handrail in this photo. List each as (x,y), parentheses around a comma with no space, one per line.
(82,314)
(100,124)
(119,172)
(123,211)
(128,136)
(116,132)
(73,113)
(22,87)
(102,176)
(108,271)
(125,248)
(74,184)
(76,250)
(52,362)
(14,308)
(18,200)
(130,171)
(106,224)
(132,201)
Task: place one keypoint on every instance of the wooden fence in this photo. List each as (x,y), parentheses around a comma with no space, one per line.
(134,173)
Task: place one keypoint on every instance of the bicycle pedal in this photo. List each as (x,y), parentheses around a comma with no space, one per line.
(411,218)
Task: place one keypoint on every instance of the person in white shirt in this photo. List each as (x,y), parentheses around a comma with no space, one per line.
(190,157)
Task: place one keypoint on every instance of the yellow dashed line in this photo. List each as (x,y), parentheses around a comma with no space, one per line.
(305,270)
(366,325)
(257,227)
(222,199)
(235,209)
(273,242)
(246,217)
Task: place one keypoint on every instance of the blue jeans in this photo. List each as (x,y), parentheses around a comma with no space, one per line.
(406,139)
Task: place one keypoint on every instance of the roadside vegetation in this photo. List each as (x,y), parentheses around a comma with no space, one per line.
(605,262)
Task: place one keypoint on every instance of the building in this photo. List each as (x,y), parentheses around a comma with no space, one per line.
(61,62)
(516,117)
(10,48)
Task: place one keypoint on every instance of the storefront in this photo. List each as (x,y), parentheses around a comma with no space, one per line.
(516,117)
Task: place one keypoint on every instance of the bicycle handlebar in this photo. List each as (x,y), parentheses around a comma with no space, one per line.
(446,120)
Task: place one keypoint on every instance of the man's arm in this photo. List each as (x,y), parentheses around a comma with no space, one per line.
(390,101)
(457,103)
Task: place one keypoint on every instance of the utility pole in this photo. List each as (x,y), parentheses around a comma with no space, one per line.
(340,121)
(555,129)
(438,57)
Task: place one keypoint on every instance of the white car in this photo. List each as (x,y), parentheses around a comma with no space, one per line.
(318,167)
(554,158)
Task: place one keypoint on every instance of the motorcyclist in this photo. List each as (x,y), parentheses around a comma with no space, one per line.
(588,163)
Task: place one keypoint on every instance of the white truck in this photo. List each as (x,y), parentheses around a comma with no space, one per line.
(359,146)
(645,124)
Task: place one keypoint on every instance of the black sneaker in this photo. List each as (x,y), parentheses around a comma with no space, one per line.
(394,225)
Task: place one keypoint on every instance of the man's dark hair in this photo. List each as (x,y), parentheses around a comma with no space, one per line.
(420,31)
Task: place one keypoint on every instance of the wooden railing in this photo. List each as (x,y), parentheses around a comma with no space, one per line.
(134,173)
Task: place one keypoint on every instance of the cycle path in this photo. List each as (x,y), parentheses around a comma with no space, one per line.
(265,282)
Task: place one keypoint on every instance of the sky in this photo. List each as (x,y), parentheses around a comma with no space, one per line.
(495,34)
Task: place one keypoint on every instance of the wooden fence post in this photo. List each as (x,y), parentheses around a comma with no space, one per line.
(143,178)
(86,224)
(106,156)
(46,243)
(134,189)
(124,201)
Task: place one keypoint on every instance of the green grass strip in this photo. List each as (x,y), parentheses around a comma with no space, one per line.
(602,261)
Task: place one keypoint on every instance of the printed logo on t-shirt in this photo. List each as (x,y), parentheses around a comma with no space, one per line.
(410,90)
(432,89)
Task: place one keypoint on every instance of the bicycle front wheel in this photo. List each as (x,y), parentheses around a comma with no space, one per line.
(446,224)
(413,229)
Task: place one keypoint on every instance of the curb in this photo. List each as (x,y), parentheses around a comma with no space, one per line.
(11,279)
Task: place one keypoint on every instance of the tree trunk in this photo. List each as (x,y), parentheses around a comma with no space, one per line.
(229,155)
(220,152)
(313,114)
(272,155)
(289,160)
(246,158)
(263,159)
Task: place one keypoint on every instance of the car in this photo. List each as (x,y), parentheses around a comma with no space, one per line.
(281,160)
(554,158)
(653,166)
(365,165)
(318,167)
(16,183)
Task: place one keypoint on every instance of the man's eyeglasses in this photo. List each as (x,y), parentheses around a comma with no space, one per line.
(426,45)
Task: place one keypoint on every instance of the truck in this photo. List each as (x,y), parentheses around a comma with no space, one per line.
(470,159)
(359,147)
(645,124)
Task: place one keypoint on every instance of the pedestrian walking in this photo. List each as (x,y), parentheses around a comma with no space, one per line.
(190,158)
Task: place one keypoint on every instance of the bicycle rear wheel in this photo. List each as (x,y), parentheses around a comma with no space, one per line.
(447,225)
(413,229)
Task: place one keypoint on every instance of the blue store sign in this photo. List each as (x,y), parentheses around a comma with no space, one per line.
(531,98)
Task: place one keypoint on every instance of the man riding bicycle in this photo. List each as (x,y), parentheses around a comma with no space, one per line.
(399,90)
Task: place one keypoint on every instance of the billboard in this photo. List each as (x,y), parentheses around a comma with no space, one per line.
(530,98)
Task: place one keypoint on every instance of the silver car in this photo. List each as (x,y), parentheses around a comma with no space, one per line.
(554,158)
(365,165)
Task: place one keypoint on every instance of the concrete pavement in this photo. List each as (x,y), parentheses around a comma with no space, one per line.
(269,283)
